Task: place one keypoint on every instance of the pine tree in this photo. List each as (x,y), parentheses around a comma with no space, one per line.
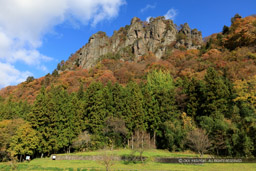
(80,93)
(194,98)
(40,120)
(95,108)
(109,99)
(119,96)
(59,111)
(216,94)
(152,117)
(74,123)
(135,114)
(161,87)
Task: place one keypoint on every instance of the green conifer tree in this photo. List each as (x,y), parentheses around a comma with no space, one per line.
(95,108)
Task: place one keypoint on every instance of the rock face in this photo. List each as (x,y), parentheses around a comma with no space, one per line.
(137,39)
(191,39)
(96,46)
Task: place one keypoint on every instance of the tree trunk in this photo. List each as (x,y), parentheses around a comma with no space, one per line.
(154,138)
(128,143)
(201,154)
(20,157)
(112,145)
(42,155)
(132,141)
(141,159)
(149,141)
(142,138)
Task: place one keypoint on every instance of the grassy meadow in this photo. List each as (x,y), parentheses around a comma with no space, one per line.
(84,165)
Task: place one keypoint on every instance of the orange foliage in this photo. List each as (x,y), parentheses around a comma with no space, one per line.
(238,61)
(162,65)
(106,76)
(242,33)
(123,76)
(148,58)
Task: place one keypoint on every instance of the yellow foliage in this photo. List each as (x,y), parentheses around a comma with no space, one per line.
(187,121)
(246,90)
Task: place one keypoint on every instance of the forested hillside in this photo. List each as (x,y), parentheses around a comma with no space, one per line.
(209,88)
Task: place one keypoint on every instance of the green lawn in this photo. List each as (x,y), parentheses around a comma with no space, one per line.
(147,153)
(79,165)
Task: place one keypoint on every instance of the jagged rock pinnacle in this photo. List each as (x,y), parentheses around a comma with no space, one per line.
(137,39)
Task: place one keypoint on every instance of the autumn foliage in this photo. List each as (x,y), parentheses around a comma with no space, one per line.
(189,94)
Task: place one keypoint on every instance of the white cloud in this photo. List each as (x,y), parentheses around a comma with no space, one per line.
(5,44)
(171,14)
(30,57)
(10,75)
(94,10)
(23,23)
(147,7)
(148,18)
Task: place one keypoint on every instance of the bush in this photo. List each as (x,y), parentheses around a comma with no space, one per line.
(4,156)
(225,29)
(55,73)
(30,79)
(233,19)
(181,36)
(198,141)
(82,141)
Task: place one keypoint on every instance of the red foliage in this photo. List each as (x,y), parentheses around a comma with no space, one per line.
(123,75)
(238,62)
(106,76)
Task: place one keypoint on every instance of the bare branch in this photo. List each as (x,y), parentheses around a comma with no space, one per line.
(198,141)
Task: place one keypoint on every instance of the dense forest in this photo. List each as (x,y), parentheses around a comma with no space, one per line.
(212,89)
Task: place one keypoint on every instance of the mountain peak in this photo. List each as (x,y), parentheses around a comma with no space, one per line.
(137,39)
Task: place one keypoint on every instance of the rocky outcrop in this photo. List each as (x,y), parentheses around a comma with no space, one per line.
(187,38)
(96,46)
(137,39)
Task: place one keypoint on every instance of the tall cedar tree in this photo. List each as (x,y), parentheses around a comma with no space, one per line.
(215,106)
(216,94)
(40,120)
(13,110)
(119,96)
(135,115)
(95,108)
(195,98)
(152,110)
(162,90)
(67,120)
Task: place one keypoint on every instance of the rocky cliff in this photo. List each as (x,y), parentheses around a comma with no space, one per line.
(128,43)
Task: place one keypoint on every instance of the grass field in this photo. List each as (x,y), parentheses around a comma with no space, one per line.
(82,165)
(147,153)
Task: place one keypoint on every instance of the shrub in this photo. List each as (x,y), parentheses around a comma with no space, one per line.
(225,29)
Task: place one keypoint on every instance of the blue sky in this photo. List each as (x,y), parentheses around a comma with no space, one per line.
(35,35)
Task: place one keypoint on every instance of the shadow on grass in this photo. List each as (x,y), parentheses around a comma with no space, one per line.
(132,159)
(5,167)
(24,167)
